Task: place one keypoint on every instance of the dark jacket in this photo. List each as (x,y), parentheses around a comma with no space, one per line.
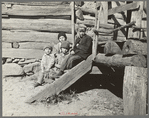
(84,49)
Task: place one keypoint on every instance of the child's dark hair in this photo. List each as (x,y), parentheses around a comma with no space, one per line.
(62,34)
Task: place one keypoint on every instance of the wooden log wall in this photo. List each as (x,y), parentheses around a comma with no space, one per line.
(34,24)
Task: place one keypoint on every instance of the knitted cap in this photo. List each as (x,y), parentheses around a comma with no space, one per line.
(62,34)
(48,46)
(65,44)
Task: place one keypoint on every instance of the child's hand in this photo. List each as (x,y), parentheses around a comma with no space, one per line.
(77,44)
(72,52)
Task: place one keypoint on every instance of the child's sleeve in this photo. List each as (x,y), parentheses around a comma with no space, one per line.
(42,63)
(52,61)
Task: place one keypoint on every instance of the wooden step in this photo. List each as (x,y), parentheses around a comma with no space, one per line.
(64,81)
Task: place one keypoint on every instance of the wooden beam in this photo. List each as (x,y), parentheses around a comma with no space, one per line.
(119,61)
(116,29)
(73,21)
(135,91)
(33,45)
(136,16)
(6,45)
(103,13)
(91,23)
(50,25)
(31,36)
(134,47)
(95,39)
(24,10)
(21,53)
(34,3)
(64,81)
(111,48)
(122,8)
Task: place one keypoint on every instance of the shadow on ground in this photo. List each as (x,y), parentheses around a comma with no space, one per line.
(113,83)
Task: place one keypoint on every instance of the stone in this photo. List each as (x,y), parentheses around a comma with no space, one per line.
(15,60)
(12,69)
(9,60)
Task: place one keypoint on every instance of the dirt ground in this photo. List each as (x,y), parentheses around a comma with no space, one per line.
(92,98)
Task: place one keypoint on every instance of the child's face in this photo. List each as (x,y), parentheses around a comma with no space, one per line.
(47,51)
(62,38)
(64,50)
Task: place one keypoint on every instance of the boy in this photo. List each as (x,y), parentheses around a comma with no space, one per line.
(47,63)
(65,46)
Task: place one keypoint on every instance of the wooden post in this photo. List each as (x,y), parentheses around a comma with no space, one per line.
(136,16)
(103,13)
(94,47)
(73,24)
(135,90)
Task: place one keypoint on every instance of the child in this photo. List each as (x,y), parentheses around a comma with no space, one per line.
(47,63)
(64,49)
(61,37)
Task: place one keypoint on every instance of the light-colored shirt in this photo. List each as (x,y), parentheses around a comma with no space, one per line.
(56,48)
(60,58)
(47,62)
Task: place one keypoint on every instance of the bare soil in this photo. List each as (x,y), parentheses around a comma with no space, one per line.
(92,98)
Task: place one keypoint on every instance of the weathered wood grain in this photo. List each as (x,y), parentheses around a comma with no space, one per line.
(22,53)
(25,10)
(135,91)
(6,45)
(122,8)
(34,45)
(119,61)
(136,16)
(103,13)
(112,47)
(64,81)
(134,47)
(31,36)
(50,25)
(34,3)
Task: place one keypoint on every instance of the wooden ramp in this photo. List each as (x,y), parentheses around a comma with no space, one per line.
(64,81)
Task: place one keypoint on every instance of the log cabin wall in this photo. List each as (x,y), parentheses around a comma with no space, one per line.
(27,27)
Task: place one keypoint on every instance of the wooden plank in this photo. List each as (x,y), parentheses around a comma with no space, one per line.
(22,53)
(112,47)
(31,36)
(50,25)
(73,22)
(24,10)
(33,45)
(35,3)
(103,13)
(116,29)
(136,16)
(91,23)
(144,25)
(135,91)
(134,47)
(122,8)
(95,39)
(6,45)
(119,18)
(119,61)
(64,81)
